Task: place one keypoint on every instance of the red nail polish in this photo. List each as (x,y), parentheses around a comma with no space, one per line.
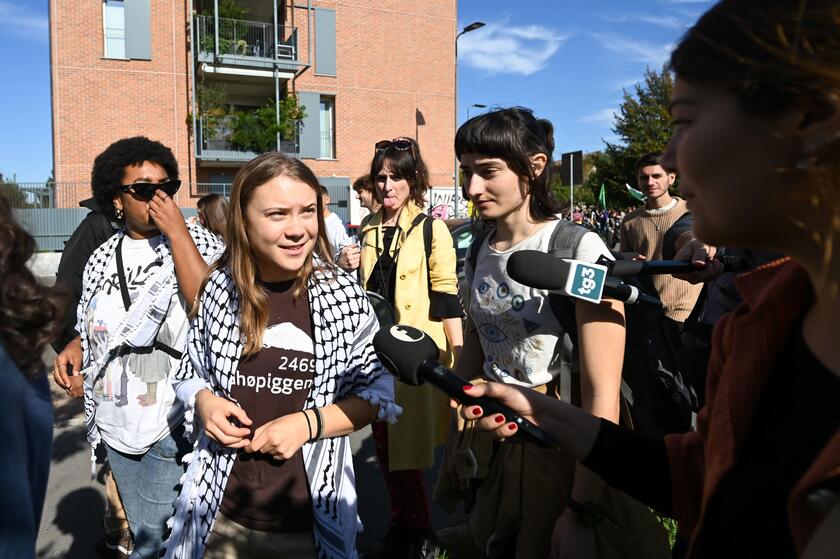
(476,410)
(512,427)
(468,387)
(500,419)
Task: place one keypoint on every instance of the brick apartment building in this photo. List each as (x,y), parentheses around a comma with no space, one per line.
(176,70)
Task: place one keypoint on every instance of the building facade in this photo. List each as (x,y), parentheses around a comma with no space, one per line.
(209,77)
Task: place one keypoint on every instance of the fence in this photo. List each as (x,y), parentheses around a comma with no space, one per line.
(34,206)
(247,39)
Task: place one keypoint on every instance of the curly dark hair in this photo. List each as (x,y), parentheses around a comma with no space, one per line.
(109,167)
(31,315)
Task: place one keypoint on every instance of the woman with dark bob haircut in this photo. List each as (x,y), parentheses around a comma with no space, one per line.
(756,111)
(520,336)
(30,316)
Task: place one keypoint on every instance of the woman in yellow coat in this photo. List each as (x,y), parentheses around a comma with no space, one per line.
(423,294)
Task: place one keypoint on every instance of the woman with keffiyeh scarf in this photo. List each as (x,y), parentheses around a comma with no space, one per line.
(132,318)
(280,369)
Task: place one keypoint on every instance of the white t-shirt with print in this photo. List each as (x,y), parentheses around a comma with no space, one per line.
(518,330)
(136,403)
(336,232)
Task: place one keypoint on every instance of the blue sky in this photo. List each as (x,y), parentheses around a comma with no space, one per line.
(566,59)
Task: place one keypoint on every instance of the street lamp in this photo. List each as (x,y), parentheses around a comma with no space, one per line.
(471,27)
(477,106)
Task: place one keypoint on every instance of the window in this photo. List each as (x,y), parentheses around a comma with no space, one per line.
(327,114)
(113,19)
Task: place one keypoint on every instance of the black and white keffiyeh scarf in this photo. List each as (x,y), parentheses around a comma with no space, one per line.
(345,364)
(142,321)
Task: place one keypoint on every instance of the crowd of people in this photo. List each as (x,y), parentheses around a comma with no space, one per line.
(604,221)
(224,361)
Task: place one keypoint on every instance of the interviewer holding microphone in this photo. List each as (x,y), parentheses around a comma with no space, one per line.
(757,143)
(513,335)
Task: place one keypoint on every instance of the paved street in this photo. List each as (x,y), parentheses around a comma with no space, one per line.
(70,527)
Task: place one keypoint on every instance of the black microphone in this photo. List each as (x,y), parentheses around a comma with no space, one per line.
(614,288)
(411,356)
(544,271)
(623,268)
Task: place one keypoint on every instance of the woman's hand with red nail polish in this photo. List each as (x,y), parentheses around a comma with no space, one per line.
(521,401)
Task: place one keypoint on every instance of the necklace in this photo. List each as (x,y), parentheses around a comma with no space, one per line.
(656,215)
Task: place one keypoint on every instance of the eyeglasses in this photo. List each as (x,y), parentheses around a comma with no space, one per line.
(401,144)
(146,190)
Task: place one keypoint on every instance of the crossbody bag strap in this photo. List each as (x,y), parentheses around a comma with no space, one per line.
(121,274)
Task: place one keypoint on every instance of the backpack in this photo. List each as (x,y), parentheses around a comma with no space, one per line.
(655,400)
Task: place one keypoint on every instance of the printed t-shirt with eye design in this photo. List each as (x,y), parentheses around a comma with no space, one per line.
(516,326)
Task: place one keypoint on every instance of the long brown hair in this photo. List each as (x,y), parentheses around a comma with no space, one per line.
(31,315)
(213,211)
(239,256)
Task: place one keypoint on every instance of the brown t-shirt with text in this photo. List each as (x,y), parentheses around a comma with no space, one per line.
(263,493)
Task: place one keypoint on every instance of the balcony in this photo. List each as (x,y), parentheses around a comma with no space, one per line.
(214,142)
(246,43)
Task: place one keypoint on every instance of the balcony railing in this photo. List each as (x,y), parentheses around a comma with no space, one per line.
(214,142)
(245,42)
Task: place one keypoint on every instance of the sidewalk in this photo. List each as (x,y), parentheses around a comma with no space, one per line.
(72,519)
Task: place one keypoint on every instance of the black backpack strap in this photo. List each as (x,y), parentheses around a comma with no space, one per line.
(427,245)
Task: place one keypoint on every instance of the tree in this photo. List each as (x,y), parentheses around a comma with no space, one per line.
(643,125)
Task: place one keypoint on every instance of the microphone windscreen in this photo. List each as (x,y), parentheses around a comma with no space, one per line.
(538,269)
(402,349)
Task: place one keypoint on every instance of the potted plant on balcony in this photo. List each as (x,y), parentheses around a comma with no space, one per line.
(257,130)
(231,27)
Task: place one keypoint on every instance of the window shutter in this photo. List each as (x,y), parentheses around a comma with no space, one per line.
(138,33)
(325,42)
(310,132)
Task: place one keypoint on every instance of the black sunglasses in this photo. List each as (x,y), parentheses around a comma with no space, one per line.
(401,144)
(146,190)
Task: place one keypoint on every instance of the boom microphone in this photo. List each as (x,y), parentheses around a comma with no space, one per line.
(411,356)
(623,268)
(544,271)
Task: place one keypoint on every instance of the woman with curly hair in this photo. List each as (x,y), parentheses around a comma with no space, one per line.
(137,289)
(280,370)
(30,316)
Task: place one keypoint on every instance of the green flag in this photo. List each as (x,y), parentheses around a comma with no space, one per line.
(637,194)
(602,197)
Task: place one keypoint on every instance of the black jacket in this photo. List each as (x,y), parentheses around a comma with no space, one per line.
(94,230)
